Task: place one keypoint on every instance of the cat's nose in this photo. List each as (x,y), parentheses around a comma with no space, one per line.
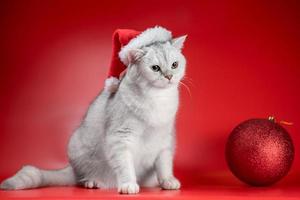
(168,76)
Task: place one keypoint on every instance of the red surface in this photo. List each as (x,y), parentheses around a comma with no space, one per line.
(203,186)
(243,62)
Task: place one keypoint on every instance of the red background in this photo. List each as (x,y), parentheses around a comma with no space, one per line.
(243,62)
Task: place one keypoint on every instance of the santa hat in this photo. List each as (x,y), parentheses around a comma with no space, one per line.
(126,40)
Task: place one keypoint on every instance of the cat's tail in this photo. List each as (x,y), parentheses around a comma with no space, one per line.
(32,177)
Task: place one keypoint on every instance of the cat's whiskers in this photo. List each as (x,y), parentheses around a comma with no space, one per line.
(187,88)
(189,80)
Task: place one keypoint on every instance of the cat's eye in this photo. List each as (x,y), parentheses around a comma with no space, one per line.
(155,68)
(174,65)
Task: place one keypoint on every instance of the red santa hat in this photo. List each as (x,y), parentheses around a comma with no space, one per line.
(126,40)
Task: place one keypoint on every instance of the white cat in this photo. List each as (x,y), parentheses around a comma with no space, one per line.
(127,137)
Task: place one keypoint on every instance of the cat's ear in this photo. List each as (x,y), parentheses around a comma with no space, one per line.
(134,54)
(178,42)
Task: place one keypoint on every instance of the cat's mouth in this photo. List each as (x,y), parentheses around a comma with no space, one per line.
(171,82)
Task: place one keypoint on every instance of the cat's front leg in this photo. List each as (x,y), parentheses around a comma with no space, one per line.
(121,161)
(164,170)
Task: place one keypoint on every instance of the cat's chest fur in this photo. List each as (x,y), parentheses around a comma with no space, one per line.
(161,110)
(156,108)
(152,116)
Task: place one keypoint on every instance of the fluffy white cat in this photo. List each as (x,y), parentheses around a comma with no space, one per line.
(127,138)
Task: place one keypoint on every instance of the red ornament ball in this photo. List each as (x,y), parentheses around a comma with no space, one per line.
(259,152)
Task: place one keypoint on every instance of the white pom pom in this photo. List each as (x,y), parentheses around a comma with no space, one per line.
(111,84)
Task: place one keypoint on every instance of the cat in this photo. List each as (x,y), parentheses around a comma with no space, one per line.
(127,137)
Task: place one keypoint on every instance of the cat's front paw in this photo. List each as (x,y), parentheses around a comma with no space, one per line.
(129,188)
(170,184)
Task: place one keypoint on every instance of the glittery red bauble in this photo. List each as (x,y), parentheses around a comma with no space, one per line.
(259,152)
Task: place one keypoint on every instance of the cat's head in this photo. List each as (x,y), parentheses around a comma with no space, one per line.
(159,65)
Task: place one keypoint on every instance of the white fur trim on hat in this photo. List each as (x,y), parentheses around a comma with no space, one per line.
(147,37)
